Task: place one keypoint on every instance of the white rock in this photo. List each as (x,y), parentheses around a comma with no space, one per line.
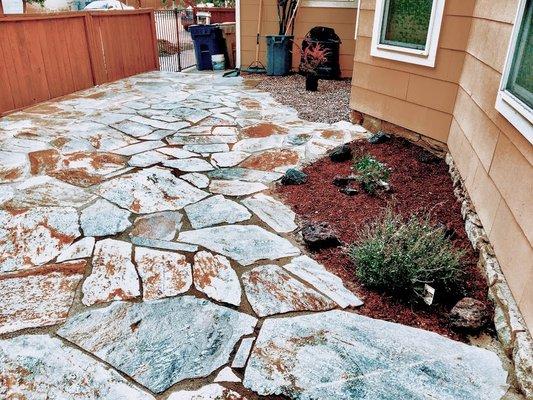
(139,147)
(242,243)
(214,276)
(42,367)
(226,374)
(235,187)
(274,213)
(113,276)
(147,159)
(243,352)
(215,210)
(162,225)
(104,218)
(254,145)
(176,152)
(207,148)
(163,274)
(199,180)
(229,159)
(189,165)
(209,392)
(83,248)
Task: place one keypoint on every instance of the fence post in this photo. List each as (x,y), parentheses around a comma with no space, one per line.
(96,54)
(154,39)
(177,17)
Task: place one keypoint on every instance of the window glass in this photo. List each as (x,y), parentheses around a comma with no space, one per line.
(406,23)
(520,82)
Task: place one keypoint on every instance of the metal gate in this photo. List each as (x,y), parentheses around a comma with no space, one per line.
(174,42)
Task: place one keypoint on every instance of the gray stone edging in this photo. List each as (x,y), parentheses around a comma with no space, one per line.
(510,325)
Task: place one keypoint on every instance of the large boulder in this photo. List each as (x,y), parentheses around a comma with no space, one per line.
(470,314)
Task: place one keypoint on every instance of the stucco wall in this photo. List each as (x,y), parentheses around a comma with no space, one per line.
(494,159)
(341,19)
(454,103)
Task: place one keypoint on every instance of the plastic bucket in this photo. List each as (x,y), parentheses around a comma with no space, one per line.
(279,54)
(218,61)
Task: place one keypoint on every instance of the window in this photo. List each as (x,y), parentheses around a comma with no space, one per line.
(515,97)
(407,30)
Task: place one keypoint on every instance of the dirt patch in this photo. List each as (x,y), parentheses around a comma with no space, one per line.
(330,104)
(416,187)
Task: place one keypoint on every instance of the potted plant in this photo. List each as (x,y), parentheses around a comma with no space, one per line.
(312,57)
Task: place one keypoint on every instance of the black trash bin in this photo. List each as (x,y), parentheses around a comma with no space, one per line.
(329,40)
(208,41)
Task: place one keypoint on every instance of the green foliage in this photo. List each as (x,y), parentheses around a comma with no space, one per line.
(371,173)
(408,22)
(400,256)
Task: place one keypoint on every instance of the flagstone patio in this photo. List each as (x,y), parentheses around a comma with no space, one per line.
(143,256)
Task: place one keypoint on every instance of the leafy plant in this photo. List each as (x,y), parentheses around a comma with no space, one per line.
(313,56)
(401,256)
(371,173)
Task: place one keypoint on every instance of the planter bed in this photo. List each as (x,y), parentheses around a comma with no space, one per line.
(416,187)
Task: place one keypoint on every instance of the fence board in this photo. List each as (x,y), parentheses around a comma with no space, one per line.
(45,56)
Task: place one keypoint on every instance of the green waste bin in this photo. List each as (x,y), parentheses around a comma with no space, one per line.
(279,54)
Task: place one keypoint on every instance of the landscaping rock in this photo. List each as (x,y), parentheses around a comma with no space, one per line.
(378,138)
(319,235)
(426,157)
(343,180)
(294,177)
(349,191)
(470,314)
(341,153)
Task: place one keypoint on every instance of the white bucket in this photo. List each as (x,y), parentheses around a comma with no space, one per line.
(218,61)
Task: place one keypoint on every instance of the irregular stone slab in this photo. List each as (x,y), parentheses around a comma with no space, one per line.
(139,147)
(207,148)
(254,145)
(239,361)
(225,131)
(158,124)
(215,210)
(132,338)
(210,392)
(13,166)
(163,244)
(330,284)
(147,159)
(214,276)
(177,152)
(279,160)
(235,188)
(226,374)
(271,290)
(150,190)
(34,237)
(244,174)
(103,218)
(274,213)
(192,115)
(340,355)
(242,243)
(229,159)
(132,128)
(163,225)
(183,139)
(39,297)
(44,191)
(162,133)
(199,180)
(113,276)
(83,248)
(42,367)
(163,274)
(189,165)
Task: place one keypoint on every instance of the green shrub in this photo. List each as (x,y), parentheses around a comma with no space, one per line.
(371,173)
(401,256)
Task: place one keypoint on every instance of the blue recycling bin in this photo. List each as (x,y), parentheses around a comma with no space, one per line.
(208,41)
(279,54)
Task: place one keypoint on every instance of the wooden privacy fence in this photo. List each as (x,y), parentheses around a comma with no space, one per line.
(44,56)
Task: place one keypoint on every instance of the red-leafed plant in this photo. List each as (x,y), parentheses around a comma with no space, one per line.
(313,57)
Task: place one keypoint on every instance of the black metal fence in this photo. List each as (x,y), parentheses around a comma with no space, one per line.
(176,49)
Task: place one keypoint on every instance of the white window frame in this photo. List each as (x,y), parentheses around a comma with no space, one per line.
(330,3)
(424,57)
(507,104)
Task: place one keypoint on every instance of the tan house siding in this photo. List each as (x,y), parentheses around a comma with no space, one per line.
(416,97)
(341,19)
(454,103)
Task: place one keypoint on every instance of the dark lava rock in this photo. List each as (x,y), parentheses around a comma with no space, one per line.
(341,153)
(378,138)
(449,232)
(426,157)
(319,236)
(350,191)
(294,177)
(470,315)
(343,180)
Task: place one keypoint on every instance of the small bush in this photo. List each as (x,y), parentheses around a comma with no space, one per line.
(401,256)
(371,173)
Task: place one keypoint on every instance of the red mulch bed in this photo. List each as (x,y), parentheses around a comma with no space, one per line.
(416,187)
